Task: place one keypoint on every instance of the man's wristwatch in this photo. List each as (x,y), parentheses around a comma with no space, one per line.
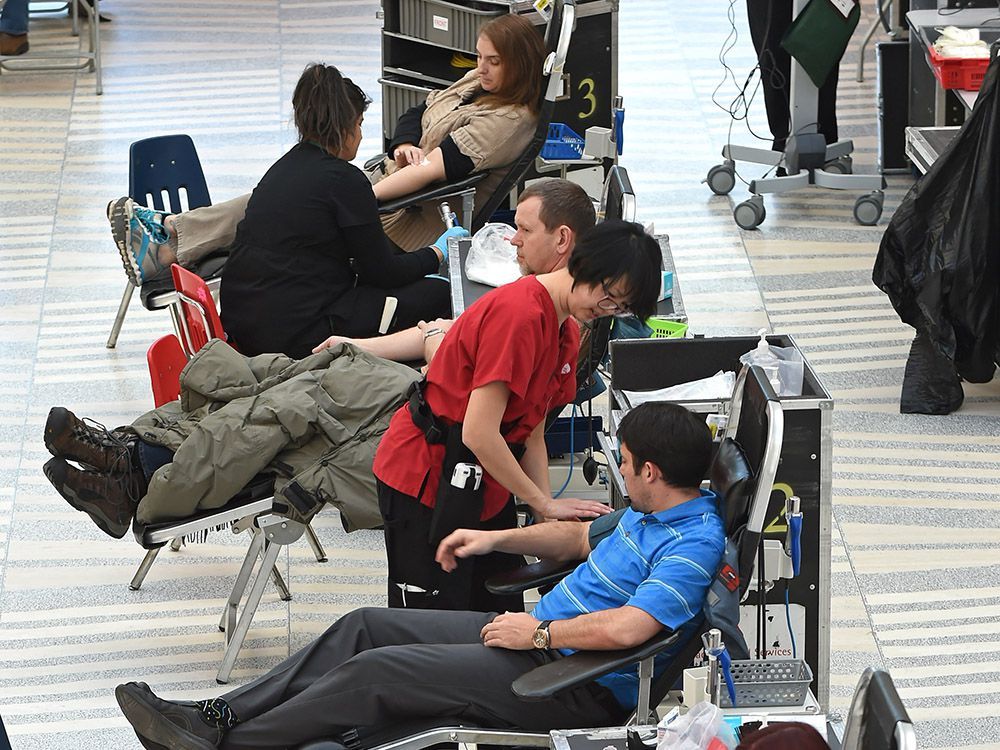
(541,637)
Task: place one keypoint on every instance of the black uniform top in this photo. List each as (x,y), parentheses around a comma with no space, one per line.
(290,264)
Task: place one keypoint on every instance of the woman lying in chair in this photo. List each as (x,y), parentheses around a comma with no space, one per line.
(480,123)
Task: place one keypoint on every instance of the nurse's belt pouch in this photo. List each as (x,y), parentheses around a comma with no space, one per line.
(492,259)
(459,501)
(818,37)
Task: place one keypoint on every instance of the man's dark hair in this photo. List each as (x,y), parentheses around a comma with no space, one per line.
(620,250)
(671,438)
(327,106)
(562,202)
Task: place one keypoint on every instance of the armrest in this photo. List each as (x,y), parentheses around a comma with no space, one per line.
(541,573)
(549,680)
(433,192)
(374,162)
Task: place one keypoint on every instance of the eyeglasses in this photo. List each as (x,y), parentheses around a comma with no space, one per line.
(609,303)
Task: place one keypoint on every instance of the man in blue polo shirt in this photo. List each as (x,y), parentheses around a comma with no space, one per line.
(377,667)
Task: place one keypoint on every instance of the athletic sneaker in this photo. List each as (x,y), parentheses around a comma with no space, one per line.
(109,499)
(138,245)
(88,442)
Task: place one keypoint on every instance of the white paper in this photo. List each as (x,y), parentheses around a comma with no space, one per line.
(844,6)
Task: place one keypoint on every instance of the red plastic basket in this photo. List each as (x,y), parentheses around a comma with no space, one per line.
(965,73)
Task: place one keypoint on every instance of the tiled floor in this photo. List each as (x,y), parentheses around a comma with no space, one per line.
(915,588)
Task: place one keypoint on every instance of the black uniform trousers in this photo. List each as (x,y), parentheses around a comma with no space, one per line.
(378,667)
(410,553)
(769,20)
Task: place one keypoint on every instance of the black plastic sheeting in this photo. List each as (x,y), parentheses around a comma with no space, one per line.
(939,263)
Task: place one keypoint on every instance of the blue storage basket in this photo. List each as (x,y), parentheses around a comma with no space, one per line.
(562,143)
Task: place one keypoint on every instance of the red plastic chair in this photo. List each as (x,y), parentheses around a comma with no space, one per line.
(165,359)
(198,319)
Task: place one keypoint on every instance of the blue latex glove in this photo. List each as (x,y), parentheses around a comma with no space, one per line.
(441,243)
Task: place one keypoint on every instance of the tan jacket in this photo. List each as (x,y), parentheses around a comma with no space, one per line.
(492,137)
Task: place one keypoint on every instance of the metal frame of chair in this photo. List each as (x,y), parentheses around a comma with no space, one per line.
(161,165)
(558,34)
(762,430)
(90,59)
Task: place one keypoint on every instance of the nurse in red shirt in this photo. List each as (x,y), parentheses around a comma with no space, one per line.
(504,364)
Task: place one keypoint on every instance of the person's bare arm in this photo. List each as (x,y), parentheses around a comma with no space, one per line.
(411,178)
(402,346)
(550,541)
(607,630)
(481,435)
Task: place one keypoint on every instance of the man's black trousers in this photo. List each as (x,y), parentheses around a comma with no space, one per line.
(378,667)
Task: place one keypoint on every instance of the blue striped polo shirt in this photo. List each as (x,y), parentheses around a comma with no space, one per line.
(661,563)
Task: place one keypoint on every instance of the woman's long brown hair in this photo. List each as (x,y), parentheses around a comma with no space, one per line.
(521,50)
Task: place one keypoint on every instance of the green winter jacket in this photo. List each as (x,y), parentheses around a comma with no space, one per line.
(314,422)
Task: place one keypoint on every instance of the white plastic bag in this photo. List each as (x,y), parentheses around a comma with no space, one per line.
(718,386)
(696,730)
(492,259)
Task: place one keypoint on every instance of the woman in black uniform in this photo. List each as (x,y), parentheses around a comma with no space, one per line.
(310,257)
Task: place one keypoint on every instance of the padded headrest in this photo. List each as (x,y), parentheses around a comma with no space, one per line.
(730,477)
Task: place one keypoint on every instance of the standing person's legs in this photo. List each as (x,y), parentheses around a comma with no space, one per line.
(14,27)
(377,667)
(827,110)
(768,20)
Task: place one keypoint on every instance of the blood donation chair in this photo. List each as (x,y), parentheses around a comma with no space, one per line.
(477,208)
(743,473)
(877,719)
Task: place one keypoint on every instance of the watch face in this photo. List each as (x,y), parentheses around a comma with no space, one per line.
(539,639)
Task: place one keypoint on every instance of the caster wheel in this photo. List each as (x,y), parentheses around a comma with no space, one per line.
(750,213)
(841,165)
(721,179)
(868,209)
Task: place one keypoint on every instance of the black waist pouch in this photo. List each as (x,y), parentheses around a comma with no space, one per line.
(459,500)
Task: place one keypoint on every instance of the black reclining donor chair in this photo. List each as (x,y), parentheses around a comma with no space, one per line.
(743,474)
(477,206)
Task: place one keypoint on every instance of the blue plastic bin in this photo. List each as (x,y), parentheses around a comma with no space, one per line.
(562,143)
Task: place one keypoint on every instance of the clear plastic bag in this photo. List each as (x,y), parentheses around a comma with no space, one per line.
(782,365)
(492,259)
(701,728)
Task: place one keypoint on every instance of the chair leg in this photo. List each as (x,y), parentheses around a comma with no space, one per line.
(228,621)
(279,581)
(143,569)
(236,636)
(175,544)
(317,546)
(116,328)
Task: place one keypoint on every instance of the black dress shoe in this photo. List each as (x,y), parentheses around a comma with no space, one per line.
(83,11)
(165,723)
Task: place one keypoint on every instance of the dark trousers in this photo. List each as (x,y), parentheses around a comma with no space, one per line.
(359,311)
(769,20)
(378,667)
(412,566)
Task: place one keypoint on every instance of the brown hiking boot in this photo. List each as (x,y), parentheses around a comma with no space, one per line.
(68,436)
(109,499)
(13,44)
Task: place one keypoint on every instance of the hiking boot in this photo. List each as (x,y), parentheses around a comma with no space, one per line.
(170,724)
(68,436)
(13,44)
(109,499)
(137,246)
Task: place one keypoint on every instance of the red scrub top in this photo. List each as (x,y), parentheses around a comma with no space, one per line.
(511,335)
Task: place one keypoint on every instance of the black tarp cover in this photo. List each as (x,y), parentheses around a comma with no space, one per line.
(939,258)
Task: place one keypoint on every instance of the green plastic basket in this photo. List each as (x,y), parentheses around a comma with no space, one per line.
(666,329)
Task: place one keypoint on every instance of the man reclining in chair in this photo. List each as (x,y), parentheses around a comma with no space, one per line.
(349,394)
(375,668)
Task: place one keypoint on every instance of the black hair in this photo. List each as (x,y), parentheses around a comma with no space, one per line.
(327,106)
(670,437)
(615,250)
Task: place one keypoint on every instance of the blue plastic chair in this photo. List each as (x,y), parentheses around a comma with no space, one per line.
(166,165)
